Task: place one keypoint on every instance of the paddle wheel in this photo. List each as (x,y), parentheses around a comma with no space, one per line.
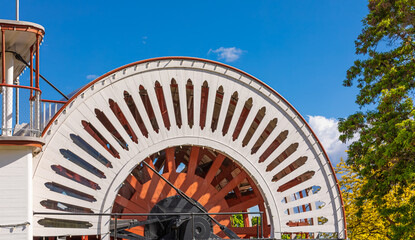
(208,176)
(159,149)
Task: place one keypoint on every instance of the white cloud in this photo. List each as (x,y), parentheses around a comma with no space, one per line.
(91,76)
(328,134)
(229,54)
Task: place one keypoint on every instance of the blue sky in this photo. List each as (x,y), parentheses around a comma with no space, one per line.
(300,48)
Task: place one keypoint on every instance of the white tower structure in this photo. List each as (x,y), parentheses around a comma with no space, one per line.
(19,141)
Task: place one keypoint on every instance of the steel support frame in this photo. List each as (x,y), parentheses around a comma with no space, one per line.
(31,91)
(3,67)
(37,93)
(260,227)
(3,56)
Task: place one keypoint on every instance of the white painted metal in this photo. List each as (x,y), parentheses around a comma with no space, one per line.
(112,86)
(16,205)
(17,102)
(8,97)
(17,10)
(37,113)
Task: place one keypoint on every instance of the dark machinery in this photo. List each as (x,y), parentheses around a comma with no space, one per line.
(165,227)
(180,226)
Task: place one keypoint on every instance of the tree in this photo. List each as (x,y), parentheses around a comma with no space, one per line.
(384,154)
(367,226)
(255,221)
(237,220)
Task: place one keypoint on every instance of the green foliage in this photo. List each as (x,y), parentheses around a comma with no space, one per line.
(322,220)
(384,155)
(255,221)
(369,225)
(237,220)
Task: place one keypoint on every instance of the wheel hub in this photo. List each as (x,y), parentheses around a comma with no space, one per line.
(178,226)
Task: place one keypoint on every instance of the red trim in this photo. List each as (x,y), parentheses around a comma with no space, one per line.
(53,101)
(27,143)
(222,65)
(37,62)
(162,105)
(24,28)
(19,86)
(203,105)
(31,70)
(3,56)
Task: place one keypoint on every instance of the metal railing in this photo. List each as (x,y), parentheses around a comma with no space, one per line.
(115,217)
(25,113)
(49,109)
(20,108)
